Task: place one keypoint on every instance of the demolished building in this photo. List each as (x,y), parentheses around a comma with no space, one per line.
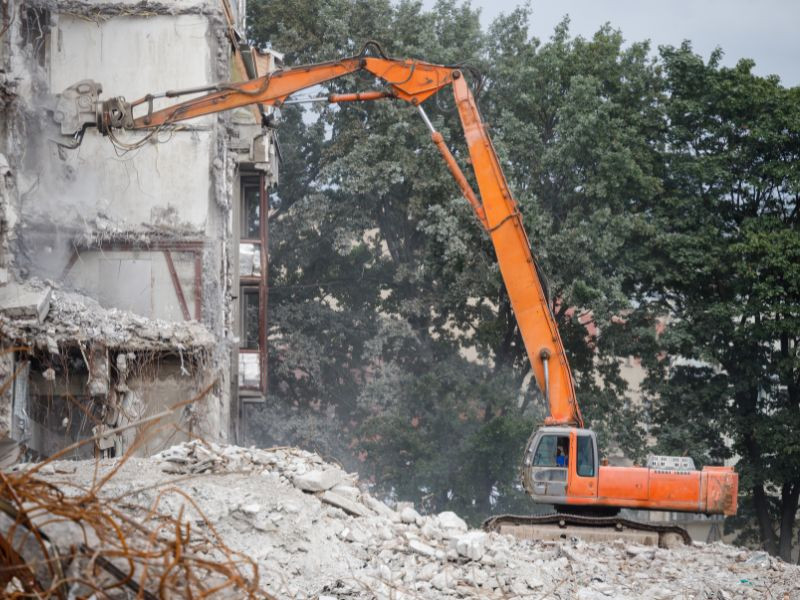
(132,271)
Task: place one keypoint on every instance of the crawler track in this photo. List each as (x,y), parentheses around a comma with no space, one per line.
(564,520)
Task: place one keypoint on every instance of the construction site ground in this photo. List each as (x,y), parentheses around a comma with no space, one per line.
(314,532)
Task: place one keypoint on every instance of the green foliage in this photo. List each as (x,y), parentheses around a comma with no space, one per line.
(381,281)
(721,261)
(660,197)
(442,448)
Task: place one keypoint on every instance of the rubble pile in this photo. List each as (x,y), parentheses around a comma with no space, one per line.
(82,545)
(314,532)
(56,316)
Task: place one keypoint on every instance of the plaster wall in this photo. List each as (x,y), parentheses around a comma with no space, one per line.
(136,281)
(131,57)
(170,386)
(165,185)
(177,187)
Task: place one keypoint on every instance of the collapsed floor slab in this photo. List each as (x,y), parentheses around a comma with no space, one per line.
(18,301)
(73,318)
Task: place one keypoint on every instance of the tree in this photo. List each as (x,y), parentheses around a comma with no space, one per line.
(382,283)
(721,258)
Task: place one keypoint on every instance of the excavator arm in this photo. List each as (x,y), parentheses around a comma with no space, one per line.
(580,483)
(504,224)
(412,81)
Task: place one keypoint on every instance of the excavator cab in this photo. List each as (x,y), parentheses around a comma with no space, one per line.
(560,462)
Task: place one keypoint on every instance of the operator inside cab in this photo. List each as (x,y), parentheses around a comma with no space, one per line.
(562,453)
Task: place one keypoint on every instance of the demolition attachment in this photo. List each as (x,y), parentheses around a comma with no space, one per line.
(78,108)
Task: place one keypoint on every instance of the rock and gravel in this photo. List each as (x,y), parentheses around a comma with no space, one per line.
(317,534)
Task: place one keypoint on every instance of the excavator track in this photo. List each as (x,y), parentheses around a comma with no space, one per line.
(563,525)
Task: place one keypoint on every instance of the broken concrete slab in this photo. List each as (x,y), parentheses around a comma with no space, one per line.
(471,545)
(349,506)
(73,318)
(21,301)
(318,481)
(421,548)
(409,515)
(379,507)
(451,524)
(350,491)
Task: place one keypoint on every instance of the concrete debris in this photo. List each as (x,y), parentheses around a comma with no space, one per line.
(421,548)
(318,481)
(471,545)
(72,318)
(451,522)
(21,301)
(315,532)
(409,515)
(349,491)
(347,505)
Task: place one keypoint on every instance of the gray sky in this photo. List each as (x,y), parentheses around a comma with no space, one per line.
(768,31)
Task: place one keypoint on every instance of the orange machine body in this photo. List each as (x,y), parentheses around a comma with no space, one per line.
(711,491)
(561,468)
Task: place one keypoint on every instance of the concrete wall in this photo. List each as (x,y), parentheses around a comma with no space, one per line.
(120,208)
(137,281)
(104,192)
(172,385)
(131,57)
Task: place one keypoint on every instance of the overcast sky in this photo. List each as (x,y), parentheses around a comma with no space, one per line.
(768,31)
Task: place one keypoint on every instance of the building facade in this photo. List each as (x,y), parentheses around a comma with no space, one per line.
(132,267)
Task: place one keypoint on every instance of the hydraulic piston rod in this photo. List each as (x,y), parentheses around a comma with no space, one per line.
(454,169)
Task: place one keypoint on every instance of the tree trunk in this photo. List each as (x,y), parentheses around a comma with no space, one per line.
(747,405)
(790,494)
(761,503)
(798,545)
(487,481)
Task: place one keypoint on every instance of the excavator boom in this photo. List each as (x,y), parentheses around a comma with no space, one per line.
(412,81)
(561,464)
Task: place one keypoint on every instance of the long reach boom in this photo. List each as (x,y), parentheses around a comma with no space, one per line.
(412,81)
(561,463)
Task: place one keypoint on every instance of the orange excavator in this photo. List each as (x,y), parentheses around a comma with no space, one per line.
(561,466)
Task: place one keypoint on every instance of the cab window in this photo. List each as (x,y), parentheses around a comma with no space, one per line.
(586,460)
(552,451)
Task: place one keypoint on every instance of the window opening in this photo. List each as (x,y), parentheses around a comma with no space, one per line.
(553,451)
(250,304)
(253,283)
(251,209)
